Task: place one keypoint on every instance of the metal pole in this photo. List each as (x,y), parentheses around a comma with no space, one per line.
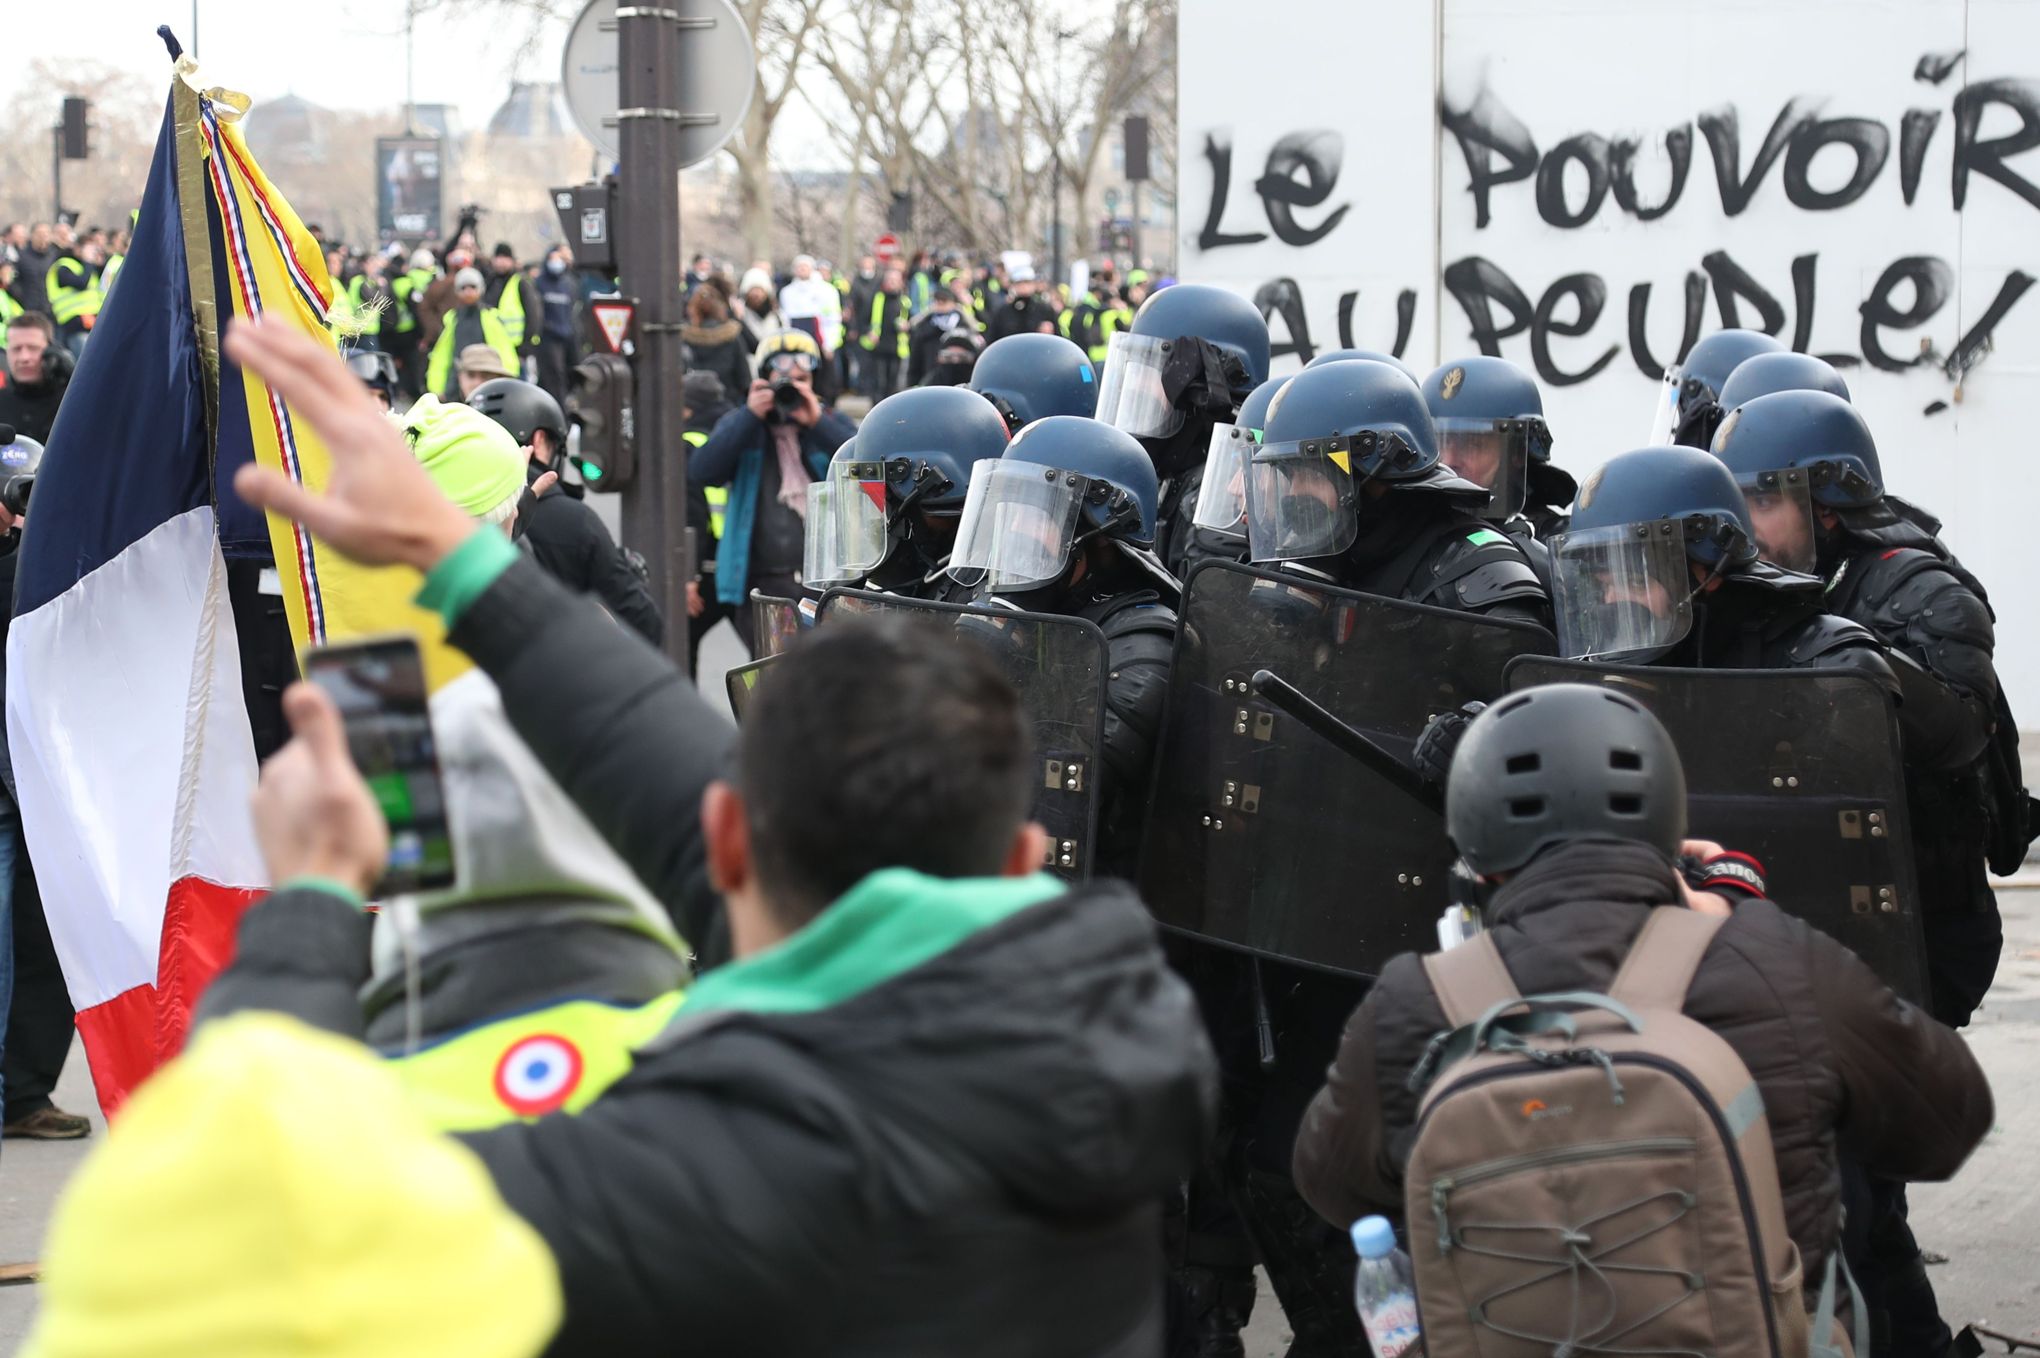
(1134,233)
(194,30)
(410,105)
(57,172)
(1056,244)
(648,259)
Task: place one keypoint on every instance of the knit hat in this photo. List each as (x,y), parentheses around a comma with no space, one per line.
(754,278)
(271,1194)
(467,278)
(421,258)
(470,457)
(701,391)
(502,251)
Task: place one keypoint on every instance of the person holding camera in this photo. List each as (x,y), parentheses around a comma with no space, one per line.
(38,371)
(767,451)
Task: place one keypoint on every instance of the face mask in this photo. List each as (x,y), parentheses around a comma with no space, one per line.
(556,266)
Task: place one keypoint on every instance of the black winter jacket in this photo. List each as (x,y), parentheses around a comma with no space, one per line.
(1841,1061)
(572,543)
(965,1155)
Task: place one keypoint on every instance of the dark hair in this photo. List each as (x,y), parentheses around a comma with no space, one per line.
(35,320)
(706,305)
(880,742)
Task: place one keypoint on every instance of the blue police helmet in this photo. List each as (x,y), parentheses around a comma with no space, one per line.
(1214,315)
(1765,373)
(1671,481)
(1822,434)
(1030,377)
(1370,355)
(1709,362)
(1376,406)
(1089,448)
(936,433)
(1254,410)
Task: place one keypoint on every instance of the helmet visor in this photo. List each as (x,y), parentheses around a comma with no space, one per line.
(1222,496)
(1781,509)
(1301,500)
(1664,416)
(1491,453)
(846,525)
(1621,593)
(1019,524)
(1130,394)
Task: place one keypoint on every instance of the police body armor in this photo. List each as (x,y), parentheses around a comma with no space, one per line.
(1261,835)
(1802,769)
(1058,667)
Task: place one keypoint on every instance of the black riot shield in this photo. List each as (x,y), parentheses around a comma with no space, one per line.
(1264,835)
(1058,666)
(741,683)
(1801,769)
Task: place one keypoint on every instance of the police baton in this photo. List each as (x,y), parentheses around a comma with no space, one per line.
(1385,765)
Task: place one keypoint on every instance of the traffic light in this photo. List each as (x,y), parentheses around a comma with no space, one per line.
(599,403)
(72,128)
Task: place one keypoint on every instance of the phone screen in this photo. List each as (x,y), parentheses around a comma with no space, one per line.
(379,687)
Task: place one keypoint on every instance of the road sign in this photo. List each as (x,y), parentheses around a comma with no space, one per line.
(887,246)
(718,71)
(614,317)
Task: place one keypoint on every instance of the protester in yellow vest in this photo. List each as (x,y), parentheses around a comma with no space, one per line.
(469,322)
(514,298)
(269,1194)
(73,288)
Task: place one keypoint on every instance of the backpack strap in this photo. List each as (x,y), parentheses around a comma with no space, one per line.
(1469,980)
(1662,960)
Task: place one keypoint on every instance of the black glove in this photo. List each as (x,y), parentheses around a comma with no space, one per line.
(1435,748)
(1200,378)
(1735,875)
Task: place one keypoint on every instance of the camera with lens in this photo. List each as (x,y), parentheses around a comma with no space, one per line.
(19,460)
(787,398)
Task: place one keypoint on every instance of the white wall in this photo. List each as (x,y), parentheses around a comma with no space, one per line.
(1409,90)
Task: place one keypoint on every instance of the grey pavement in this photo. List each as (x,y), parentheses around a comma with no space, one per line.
(1987,1222)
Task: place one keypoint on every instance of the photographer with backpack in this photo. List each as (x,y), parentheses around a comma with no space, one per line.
(1644,1153)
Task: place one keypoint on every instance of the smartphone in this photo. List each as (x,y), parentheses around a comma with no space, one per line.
(378,684)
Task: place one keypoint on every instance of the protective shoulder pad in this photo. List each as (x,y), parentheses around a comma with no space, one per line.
(1483,567)
(1919,603)
(1130,614)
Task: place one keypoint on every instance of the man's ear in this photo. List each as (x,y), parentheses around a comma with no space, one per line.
(726,832)
(1029,851)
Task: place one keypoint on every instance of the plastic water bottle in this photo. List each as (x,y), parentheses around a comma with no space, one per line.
(1384,1290)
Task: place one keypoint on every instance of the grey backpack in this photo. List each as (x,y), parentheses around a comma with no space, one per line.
(1592,1174)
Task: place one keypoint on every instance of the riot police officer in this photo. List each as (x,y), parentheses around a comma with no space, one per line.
(1192,355)
(1347,484)
(885,517)
(1030,377)
(1689,408)
(1063,524)
(1369,355)
(1781,371)
(1491,431)
(1660,566)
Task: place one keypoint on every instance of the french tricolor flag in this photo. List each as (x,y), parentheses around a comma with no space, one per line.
(131,743)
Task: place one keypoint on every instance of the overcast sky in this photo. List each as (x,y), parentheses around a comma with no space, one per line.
(340,53)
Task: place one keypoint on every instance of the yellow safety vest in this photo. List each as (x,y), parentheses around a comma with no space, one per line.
(556,1059)
(718,497)
(869,339)
(108,273)
(1111,320)
(440,366)
(9,309)
(408,290)
(73,292)
(510,308)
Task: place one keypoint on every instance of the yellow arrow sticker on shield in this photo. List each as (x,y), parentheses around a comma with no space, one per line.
(1343,461)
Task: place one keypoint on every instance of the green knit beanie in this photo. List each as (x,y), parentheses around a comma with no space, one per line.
(471,457)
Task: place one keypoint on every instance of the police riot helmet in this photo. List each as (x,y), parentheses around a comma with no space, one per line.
(1330,430)
(1623,578)
(1689,407)
(375,370)
(1370,355)
(1030,377)
(523,408)
(1793,450)
(1132,392)
(1062,482)
(1490,420)
(1222,492)
(1561,763)
(913,454)
(1784,371)
(20,458)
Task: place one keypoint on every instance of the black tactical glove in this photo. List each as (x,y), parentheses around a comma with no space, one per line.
(1441,737)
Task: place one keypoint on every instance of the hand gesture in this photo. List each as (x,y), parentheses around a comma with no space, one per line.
(314,816)
(379,506)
